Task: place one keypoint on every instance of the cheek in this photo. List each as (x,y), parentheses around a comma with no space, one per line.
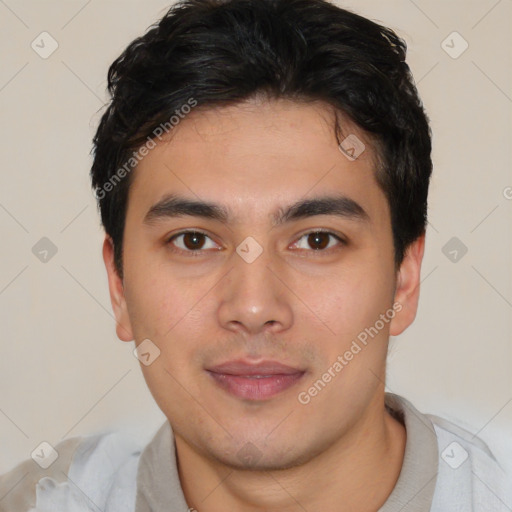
(170,391)
(176,317)
(159,302)
(348,303)
(172,318)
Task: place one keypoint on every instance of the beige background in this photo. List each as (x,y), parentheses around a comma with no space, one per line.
(63,372)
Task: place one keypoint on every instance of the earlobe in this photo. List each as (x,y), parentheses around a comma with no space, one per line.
(116,289)
(408,287)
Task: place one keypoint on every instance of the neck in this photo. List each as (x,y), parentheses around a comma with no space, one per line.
(337,479)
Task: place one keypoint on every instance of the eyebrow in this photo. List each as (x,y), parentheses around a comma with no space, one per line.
(172,205)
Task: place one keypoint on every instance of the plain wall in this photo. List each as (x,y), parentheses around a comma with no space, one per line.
(64,373)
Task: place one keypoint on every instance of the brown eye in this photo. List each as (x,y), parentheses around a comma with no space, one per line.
(191,241)
(319,241)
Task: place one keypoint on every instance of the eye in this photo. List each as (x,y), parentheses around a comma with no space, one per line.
(318,240)
(191,241)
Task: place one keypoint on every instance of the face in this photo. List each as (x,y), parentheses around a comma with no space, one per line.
(258,297)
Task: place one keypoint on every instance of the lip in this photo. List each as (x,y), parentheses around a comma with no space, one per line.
(252,381)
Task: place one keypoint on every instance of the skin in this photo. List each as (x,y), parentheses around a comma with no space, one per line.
(296,304)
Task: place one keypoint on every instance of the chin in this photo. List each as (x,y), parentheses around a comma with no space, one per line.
(272,463)
(256,456)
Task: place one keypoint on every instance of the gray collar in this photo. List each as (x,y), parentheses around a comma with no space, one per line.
(414,489)
(158,482)
(159,488)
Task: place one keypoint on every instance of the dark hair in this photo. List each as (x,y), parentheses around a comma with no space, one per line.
(222,52)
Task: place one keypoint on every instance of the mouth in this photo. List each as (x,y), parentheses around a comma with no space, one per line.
(255,382)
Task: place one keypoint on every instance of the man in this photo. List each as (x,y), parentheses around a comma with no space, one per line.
(262,174)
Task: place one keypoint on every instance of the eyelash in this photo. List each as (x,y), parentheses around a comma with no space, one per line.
(199,252)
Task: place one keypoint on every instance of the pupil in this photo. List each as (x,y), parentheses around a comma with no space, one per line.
(316,239)
(194,238)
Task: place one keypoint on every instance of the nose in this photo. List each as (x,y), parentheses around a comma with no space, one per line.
(254,296)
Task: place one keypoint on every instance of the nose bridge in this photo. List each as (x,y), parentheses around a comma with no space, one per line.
(252,296)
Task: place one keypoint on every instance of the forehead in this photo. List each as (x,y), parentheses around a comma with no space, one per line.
(255,156)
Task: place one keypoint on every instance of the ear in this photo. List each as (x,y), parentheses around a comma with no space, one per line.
(115,284)
(407,291)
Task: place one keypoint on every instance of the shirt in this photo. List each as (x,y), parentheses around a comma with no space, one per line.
(445,468)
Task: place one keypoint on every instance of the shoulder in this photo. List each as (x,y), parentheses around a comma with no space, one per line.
(89,463)
(468,471)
